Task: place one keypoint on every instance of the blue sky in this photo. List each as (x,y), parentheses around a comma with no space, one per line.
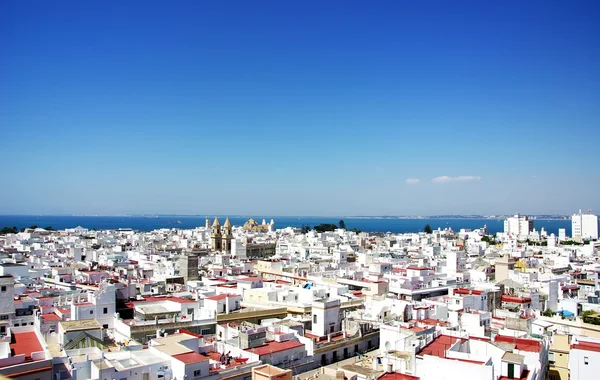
(299,107)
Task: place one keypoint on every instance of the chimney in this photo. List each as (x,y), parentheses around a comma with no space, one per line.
(390,368)
(226,303)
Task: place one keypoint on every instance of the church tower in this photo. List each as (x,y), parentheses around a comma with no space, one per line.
(215,236)
(227,236)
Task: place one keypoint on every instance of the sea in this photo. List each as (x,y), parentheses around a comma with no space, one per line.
(367,224)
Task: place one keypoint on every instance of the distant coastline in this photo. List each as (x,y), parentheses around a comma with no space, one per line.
(154,216)
(375,224)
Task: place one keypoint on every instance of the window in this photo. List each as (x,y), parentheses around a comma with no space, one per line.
(586,360)
(314,318)
(105,310)
(3,288)
(4,317)
(91,312)
(198,372)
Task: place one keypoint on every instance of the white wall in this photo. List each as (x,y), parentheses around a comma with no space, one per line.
(434,368)
(578,368)
(324,315)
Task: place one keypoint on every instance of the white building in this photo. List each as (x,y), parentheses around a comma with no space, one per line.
(326,317)
(562,234)
(518,225)
(584,226)
(584,358)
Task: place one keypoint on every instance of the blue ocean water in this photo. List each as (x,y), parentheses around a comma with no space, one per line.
(384,224)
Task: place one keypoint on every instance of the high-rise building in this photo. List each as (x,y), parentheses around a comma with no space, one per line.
(584,226)
(518,225)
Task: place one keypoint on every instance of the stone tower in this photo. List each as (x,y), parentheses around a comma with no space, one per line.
(216,237)
(227,236)
(188,266)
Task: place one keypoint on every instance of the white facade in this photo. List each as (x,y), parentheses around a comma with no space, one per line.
(562,234)
(518,225)
(584,358)
(326,317)
(584,226)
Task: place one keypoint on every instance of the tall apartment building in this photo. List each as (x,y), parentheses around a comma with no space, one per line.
(518,225)
(584,226)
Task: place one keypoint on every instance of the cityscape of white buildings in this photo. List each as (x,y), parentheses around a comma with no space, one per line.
(233,302)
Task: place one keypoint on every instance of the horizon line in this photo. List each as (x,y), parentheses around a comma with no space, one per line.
(288,216)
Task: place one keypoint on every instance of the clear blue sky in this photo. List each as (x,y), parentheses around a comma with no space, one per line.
(299,107)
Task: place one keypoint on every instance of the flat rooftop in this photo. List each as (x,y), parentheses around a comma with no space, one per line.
(85,324)
(269,370)
(25,343)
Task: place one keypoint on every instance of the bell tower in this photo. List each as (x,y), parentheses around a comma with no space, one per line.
(215,236)
(227,236)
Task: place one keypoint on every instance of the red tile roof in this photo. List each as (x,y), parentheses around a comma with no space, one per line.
(221,297)
(190,358)
(51,317)
(439,346)
(467,291)
(272,347)
(586,346)
(529,345)
(249,279)
(25,343)
(506,298)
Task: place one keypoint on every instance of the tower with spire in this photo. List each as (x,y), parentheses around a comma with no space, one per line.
(227,236)
(220,237)
(215,236)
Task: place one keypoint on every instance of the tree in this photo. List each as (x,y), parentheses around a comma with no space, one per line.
(8,230)
(427,229)
(342,224)
(325,227)
(49,228)
(305,228)
(591,317)
(548,313)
